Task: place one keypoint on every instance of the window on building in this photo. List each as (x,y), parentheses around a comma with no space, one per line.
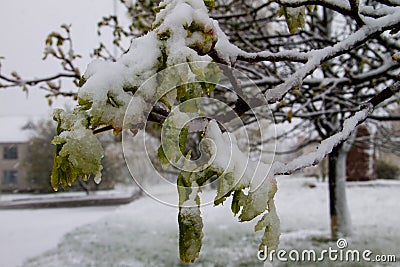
(10,152)
(9,177)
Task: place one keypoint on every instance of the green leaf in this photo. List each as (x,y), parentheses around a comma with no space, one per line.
(189,219)
(161,157)
(290,115)
(78,151)
(181,92)
(209,3)
(85,103)
(219,201)
(271,223)
(281,11)
(63,172)
(184,186)
(182,139)
(237,201)
(253,206)
(204,176)
(173,140)
(112,100)
(164,35)
(225,185)
(82,81)
(190,233)
(55,175)
(295,17)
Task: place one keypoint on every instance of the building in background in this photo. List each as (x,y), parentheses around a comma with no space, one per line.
(360,161)
(14,137)
(26,161)
(361,157)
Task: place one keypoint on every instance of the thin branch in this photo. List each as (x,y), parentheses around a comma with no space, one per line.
(328,144)
(384,118)
(317,57)
(33,82)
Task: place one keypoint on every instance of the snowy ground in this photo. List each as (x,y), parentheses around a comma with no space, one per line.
(144,233)
(118,191)
(26,233)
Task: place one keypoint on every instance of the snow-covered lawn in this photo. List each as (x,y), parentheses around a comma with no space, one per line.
(144,233)
(26,233)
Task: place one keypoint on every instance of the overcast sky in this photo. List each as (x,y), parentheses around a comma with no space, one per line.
(24,25)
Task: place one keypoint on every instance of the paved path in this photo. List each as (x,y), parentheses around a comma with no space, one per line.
(67,202)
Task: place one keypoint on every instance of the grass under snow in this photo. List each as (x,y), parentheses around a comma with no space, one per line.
(145,232)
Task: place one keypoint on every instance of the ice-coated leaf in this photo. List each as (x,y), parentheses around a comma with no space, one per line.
(271,223)
(184,184)
(190,233)
(189,218)
(237,201)
(183,135)
(225,185)
(78,151)
(262,187)
(174,136)
(254,204)
(181,36)
(161,157)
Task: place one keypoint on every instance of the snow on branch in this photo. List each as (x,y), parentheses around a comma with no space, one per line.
(324,148)
(58,46)
(341,6)
(328,144)
(229,53)
(317,57)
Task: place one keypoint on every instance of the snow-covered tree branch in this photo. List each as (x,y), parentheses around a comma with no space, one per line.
(201,66)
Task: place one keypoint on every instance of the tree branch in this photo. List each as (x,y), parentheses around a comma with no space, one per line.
(328,144)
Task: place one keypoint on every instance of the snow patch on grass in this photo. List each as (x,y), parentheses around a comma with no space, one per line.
(145,232)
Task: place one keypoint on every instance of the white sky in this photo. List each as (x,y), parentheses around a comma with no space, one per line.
(24,25)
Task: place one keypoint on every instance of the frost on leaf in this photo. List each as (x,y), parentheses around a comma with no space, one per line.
(78,151)
(175,51)
(189,218)
(182,34)
(271,224)
(231,181)
(190,233)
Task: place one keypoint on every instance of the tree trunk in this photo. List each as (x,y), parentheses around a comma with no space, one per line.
(340,217)
(83,186)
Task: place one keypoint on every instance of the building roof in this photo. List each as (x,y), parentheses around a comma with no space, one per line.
(16,129)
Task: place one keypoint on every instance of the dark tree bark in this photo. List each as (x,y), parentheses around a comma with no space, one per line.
(339,214)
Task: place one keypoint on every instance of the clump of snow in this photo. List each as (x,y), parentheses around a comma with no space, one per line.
(226,50)
(106,90)
(239,173)
(227,156)
(182,33)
